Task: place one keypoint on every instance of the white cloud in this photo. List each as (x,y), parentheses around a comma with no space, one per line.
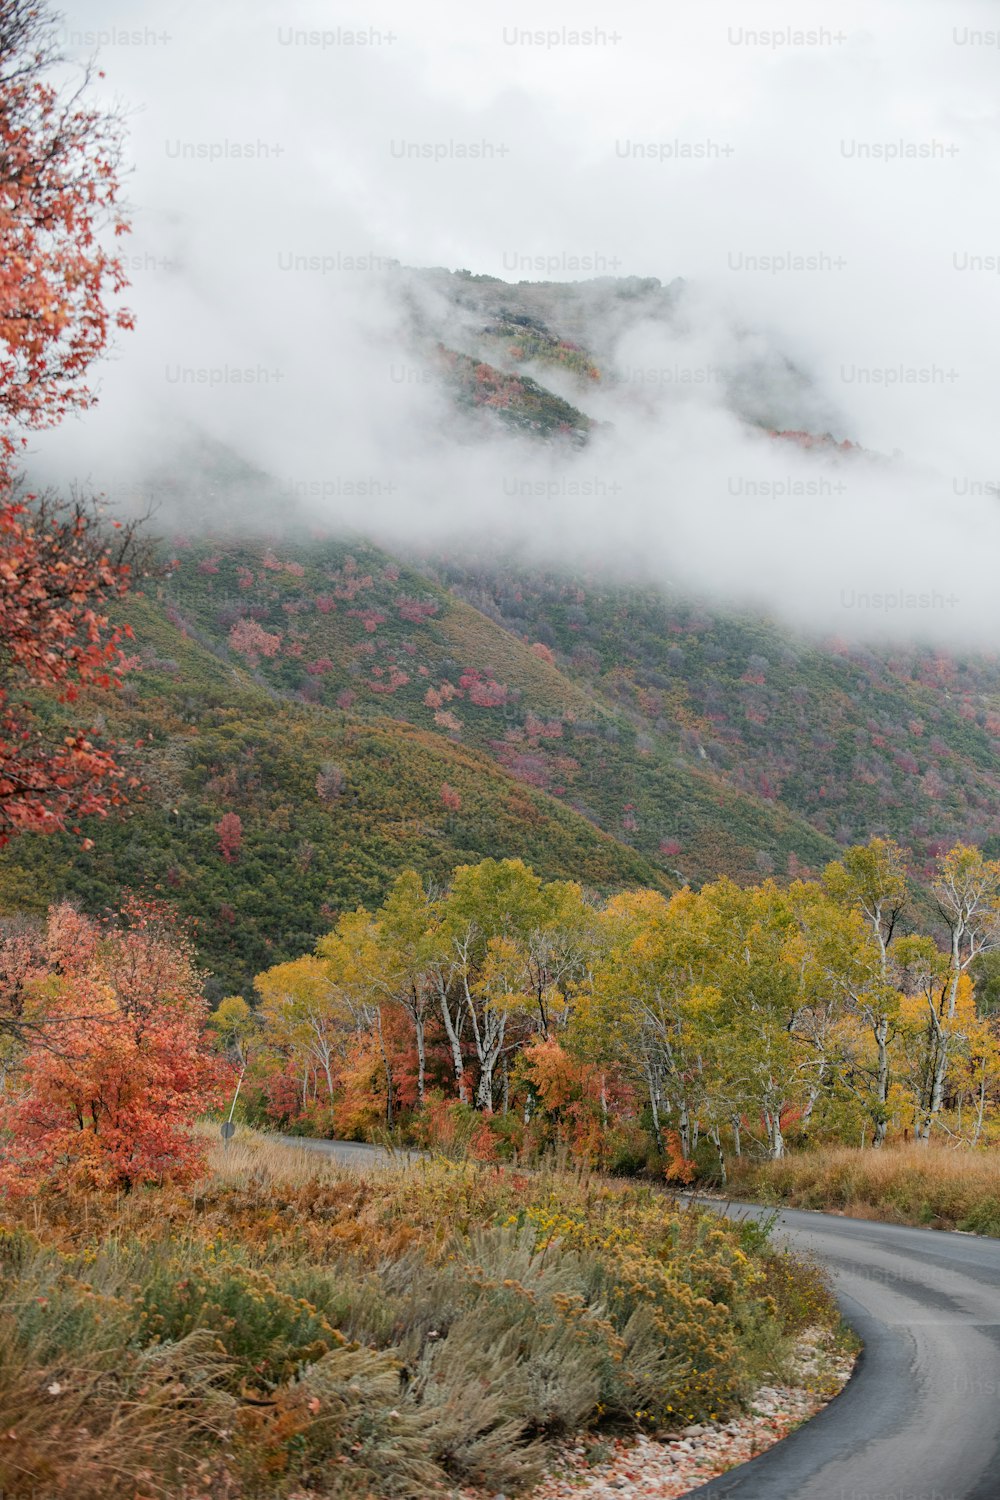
(793,135)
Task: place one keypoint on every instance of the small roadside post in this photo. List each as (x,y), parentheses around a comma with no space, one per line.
(227,1129)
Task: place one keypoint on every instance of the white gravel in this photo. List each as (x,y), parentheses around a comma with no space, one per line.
(669,1466)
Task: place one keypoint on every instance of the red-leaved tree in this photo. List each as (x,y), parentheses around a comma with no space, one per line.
(58,577)
(230,831)
(109,1096)
(59,190)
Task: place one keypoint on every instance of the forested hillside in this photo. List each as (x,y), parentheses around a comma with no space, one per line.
(860,740)
(265,814)
(313,714)
(350,714)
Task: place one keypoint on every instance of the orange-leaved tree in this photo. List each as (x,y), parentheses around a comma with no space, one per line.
(120,1070)
(59,189)
(58,575)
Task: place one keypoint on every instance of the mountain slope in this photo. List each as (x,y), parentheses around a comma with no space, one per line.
(357,629)
(857,740)
(331,807)
(359,718)
(359,712)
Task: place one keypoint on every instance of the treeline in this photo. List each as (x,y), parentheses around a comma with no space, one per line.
(519,1014)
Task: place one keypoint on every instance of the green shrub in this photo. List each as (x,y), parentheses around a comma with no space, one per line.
(982,1218)
(381,1337)
(269,1332)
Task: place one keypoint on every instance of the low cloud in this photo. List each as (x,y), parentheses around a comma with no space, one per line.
(825,193)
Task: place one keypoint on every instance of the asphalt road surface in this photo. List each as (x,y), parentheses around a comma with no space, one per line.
(920,1418)
(347,1154)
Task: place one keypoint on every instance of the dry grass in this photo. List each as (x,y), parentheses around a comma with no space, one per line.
(250,1156)
(291,1326)
(935,1185)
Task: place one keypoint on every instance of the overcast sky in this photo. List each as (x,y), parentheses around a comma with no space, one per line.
(694,140)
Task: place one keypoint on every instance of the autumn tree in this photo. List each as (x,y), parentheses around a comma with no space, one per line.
(59,187)
(570,1097)
(450,799)
(371,970)
(559,952)
(633,1014)
(59,575)
(967,891)
(307,1017)
(110,1097)
(760,985)
(393,959)
(22,964)
(236,1027)
(251,640)
(230,831)
(488,921)
(59,160)
(869,884)
(981,1073)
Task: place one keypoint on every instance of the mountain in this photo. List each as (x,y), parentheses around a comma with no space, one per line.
(559,359)
(314,713)
(358,717)
(858,741)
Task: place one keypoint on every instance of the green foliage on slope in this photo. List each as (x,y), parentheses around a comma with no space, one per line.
(330,808)
(860,741)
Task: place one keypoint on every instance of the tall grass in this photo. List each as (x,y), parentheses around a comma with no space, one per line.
(291,1327)
(934,1185)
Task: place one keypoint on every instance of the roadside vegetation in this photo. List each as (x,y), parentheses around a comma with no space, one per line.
(939,1187)
(286,1327)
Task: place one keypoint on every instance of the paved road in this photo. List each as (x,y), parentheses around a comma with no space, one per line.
(346,1153)
(920,1419)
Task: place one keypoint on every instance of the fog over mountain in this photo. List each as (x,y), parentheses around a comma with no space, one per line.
(813,191)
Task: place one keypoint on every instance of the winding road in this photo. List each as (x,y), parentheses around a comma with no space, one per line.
(920,1418)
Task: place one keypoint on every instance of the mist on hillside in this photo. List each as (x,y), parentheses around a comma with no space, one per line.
(730,275)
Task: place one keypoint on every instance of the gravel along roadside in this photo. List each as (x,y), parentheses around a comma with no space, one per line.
(666,1468)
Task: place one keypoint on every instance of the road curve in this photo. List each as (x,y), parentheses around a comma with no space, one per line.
(346,1153)
(920,1418)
